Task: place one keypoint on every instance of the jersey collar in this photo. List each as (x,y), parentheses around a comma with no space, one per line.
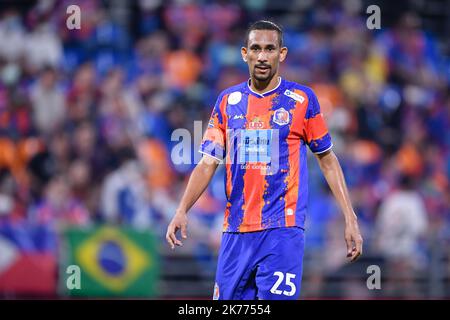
(264,94)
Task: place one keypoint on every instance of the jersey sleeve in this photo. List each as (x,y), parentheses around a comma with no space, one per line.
(213,143)
(316,132)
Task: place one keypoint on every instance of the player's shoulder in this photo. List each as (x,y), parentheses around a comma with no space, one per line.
(236,89)
(303,94)
(299,89)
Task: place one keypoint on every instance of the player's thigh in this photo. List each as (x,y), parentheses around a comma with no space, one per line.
(279,274)
(237,286)
(235,275)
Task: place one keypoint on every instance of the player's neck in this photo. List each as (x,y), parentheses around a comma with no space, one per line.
(264,86)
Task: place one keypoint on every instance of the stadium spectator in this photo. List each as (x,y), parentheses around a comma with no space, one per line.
(402,221)
(124,196)
(48,102)
(59,208)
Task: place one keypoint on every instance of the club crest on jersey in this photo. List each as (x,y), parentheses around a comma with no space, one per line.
(281,117)
(256,123)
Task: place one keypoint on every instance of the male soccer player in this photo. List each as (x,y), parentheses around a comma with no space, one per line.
(260,129)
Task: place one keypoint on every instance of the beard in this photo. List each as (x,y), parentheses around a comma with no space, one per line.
(266,76)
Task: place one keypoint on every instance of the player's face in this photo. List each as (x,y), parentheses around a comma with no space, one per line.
(263,54)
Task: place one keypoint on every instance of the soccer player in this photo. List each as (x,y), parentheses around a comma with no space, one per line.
(260,129)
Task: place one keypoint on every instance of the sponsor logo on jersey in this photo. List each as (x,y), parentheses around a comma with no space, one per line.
(294,96)
(256,123)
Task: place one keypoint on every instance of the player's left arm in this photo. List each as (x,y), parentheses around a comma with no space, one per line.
(332,171)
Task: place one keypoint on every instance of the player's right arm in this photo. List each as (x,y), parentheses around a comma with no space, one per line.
(198,181)
(213,148)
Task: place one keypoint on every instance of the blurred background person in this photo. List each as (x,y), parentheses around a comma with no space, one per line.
(401,227)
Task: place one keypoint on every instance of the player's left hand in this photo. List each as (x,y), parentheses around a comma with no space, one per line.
(354,240)
(179,222)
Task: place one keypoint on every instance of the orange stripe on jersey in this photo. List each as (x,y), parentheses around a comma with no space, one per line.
(254,187)
(258,110)
(315,128)
(228,163)
(254,180)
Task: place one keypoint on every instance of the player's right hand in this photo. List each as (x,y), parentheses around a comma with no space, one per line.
(179,222)
(353,240)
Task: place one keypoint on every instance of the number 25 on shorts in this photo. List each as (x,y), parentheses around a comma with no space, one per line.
(287,279)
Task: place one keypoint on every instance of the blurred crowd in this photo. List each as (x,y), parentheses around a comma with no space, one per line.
(86,118)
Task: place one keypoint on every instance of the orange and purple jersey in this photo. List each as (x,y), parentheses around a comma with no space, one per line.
(262,139)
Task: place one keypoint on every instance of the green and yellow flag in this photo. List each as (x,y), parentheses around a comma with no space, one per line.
(113,262)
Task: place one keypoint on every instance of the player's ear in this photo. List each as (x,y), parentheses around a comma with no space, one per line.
(244,53)
(283,53)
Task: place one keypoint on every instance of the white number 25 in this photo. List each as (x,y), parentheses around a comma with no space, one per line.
(280,276)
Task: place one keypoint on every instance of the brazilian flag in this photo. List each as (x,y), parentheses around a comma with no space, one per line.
(113,262)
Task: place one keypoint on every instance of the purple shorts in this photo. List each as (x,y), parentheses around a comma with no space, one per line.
(263,265)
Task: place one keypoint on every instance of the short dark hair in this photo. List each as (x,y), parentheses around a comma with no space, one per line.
(265,25)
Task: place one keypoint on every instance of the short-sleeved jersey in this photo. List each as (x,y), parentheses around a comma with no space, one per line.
(262,139)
